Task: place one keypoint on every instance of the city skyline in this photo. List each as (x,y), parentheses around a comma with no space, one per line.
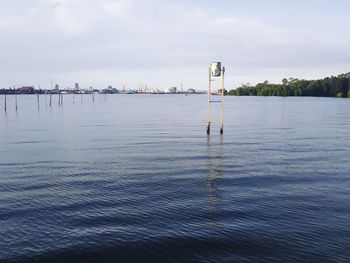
(158,43)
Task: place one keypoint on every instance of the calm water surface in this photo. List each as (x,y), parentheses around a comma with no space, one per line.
(135,178)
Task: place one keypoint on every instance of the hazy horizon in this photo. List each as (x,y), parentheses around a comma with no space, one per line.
(158,43)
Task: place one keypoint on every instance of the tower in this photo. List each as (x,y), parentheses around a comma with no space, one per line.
(216,73)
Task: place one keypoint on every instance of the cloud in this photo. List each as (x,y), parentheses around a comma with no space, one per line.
(51,39)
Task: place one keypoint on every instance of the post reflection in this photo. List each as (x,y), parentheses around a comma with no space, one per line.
(215,165)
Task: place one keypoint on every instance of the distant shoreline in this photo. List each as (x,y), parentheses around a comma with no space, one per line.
(92,93)
(87,92)
(328,87)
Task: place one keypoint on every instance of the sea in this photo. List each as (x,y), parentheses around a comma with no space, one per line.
(135,178)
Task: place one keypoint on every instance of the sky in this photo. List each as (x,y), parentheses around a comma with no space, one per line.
(159,42)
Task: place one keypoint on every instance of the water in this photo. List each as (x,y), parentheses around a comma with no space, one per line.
(135,178)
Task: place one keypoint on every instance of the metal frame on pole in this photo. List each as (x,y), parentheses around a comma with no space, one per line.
(221,101)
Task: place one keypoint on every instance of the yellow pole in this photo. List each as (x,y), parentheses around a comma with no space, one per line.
(222,101)
(209,98)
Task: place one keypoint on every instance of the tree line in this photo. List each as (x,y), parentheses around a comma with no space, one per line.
(327,87)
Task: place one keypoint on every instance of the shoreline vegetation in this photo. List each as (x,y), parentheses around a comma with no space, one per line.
(328,87)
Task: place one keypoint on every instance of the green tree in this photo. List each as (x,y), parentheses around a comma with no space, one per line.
(327,87)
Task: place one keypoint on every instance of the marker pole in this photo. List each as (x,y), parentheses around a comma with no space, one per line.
(209,98)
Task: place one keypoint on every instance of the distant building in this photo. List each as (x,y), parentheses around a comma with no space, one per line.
(76,87)
(171,90)
(26,90)
(56,89)
(110,90)
(191,91)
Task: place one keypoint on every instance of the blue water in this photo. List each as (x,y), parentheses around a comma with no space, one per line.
(135,178)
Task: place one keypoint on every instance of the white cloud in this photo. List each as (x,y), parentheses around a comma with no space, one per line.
(118,9)
(75,38)
(74,17)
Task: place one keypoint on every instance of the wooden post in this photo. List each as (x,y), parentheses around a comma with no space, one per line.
(222,101)
(16,101)
(51,94)
(37,99)
(5,103)
(209,98)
